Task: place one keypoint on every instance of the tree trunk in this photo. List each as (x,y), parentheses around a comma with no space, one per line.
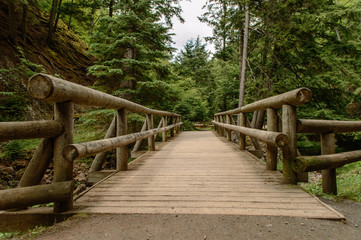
(24,21)
(51,20)
(58,14)
(12,21)
(244,59)
(111,3)
(71,14)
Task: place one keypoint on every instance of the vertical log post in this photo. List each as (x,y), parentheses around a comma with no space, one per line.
(63,169)
(224,132)
(165,124)
(329,175)
(215,126)
(122,152)
(228,132)
(272,122)
(172,120)
(242,137)
(151,141)
(289,121)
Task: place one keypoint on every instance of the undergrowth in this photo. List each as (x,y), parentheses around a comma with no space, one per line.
(348,184)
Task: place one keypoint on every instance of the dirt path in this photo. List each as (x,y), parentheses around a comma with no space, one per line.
(168,226)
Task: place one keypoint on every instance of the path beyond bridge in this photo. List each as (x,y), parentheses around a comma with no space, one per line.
(201,173)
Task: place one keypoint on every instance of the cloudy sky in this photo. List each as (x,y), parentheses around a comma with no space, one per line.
(192,27)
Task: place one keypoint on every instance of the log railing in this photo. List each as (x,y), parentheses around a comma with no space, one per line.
(276,136)
(57,140)
(295,167)
(328,161)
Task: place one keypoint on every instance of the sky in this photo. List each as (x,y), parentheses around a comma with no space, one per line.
(192,27)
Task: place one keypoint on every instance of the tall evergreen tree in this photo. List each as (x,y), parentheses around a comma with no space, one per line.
(132,45)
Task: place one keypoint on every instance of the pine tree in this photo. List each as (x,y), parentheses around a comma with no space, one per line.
(132,45)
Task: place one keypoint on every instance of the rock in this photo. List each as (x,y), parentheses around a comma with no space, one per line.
(82,178)
(79,189)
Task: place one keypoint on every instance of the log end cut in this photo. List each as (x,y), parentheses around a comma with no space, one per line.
(70,153)
(40,86)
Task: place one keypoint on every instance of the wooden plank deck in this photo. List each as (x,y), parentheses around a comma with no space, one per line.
(200,173)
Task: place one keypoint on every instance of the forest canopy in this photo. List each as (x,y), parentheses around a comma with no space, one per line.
(290,44)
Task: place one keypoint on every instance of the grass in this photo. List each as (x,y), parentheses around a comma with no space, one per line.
(348,184)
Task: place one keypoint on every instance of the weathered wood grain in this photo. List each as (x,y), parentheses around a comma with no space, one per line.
(199,173)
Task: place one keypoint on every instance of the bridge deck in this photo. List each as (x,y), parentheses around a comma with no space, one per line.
(200,173)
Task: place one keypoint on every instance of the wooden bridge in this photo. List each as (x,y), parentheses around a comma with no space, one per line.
(201,173)
(192,173)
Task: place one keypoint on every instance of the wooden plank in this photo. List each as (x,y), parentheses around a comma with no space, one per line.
(214,178)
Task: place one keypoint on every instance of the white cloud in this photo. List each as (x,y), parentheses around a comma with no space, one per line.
(192,27)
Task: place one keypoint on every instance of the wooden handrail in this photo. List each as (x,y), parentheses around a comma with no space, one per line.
(74,151)
(274,138)
(321,162)
(29,129)
(52,89)
(327,126)
(294,98)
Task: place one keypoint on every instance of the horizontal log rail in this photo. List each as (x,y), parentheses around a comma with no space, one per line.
(29,129)
(57,137)
(322,162)
(328,161)
(52,89)
(273,138)
(294,98)
(74,151)
(327,126)
(28,196)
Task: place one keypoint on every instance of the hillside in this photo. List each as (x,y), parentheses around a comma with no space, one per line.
(66,56)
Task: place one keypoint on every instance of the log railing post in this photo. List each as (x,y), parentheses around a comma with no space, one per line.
(242,137)
(289,121)
(36,168)
(228,132)
(138,143)
(329,175)
(165,124)
(151,141)
(172,120)
(63,169)
(272,122)
(100,158)
(122,152)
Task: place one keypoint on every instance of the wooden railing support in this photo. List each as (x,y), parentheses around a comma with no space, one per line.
(63,169)
(122,152)
(59,192)
(29,129)
(138,143)
(100,158)
(38,164)
(151,140)
(242,137)
(272,120)
(165,124)
(228,132)
(289,121)
(328,175)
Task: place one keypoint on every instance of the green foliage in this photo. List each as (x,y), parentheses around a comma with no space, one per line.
(13,150)
(348,184)
(9,235)
(12,107)
(27,67)
(308,147)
